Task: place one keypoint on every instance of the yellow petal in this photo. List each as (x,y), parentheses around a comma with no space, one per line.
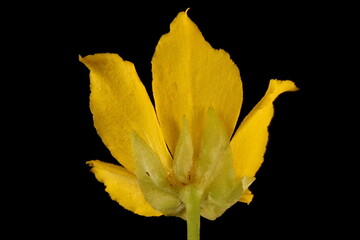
(246,197)
(189,76)
(120,104)
(123,187)
(249,141)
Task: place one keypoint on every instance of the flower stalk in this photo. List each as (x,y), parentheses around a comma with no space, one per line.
(192,202)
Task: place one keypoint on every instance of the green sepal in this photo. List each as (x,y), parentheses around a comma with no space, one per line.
(152,178)
(220,196)
(214,143)
(215,174)
(183,156)
(211,175)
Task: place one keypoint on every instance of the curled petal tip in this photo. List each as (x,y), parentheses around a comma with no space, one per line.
(80,58)
(279,86)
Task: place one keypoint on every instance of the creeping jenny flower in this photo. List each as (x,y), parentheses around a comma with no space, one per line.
(181,153)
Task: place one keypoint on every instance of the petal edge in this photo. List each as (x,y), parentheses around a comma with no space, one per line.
(250,140)
(195,76)
(120,104)
(122,187)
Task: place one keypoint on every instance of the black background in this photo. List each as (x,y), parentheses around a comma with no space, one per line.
(295,193)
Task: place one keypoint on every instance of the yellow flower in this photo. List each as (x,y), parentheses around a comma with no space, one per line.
(184,149)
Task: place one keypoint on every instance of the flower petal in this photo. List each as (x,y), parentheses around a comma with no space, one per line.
(249,141)
(123,187)
(189,76)
(246,197)
(120,104)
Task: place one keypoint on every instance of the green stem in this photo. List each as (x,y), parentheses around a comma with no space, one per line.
(193,201)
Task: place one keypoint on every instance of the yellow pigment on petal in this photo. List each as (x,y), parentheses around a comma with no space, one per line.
(249,142)
(189,76)
(120,104)
(123,187)
(246,197)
